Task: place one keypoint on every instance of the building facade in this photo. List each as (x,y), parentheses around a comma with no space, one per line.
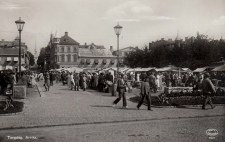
(65,52)
(170,42)
(9,55)
(125,51)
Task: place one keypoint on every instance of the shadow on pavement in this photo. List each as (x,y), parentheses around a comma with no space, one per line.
(126,108)
(99,106)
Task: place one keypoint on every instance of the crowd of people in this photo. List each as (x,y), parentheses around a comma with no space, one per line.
(148,82)
(76,81)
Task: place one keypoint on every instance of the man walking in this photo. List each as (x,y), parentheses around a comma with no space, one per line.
(145,93)
(208,89)
(121,89)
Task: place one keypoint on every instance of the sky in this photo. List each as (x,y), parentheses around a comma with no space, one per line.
(92,21)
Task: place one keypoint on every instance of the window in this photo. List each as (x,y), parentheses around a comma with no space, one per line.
(75,49)
(75,58)
(62,58)
(69,58)
(62,49)
(68,49)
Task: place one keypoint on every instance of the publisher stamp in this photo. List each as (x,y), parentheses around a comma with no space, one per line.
(212,133)
(22,138)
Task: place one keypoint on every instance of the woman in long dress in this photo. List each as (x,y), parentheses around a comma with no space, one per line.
(33,80)
(69,79)
(84,82)
(47,81)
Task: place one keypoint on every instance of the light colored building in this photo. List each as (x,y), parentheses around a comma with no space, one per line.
(9,55)
(66,52)
(125,51)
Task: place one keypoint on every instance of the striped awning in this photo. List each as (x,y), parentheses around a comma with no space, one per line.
(9,59)
(15,59)
(112,61)
(104,61)
(96,61)
(88,61)
(82,61)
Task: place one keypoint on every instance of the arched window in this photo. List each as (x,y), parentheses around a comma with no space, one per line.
(63,58)
(69,58)
(62,49)
(68,49)
(75,49)
(75,57)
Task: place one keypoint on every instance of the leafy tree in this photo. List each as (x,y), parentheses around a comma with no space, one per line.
(31,58)
(198,53)
(41,58)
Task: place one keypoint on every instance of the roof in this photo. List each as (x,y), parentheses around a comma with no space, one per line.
(93,46)
(95,52)
(10,51)
(131,48)
(66,40)
(219,68)
(200,70)
(168,68)
(100,46)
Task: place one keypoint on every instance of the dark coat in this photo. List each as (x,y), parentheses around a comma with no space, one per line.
(121,85)
(145,88)
(207,86)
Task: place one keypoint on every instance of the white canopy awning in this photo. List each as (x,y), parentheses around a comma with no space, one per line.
(200,70)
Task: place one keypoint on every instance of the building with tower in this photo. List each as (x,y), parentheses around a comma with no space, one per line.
(65,52)
(35,54)
(170,42)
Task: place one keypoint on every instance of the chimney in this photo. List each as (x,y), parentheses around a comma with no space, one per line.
(85,43)
(66,33)
(111,48)
(3,40)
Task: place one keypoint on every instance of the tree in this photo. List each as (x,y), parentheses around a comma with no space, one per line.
(31,58)
(41,58)
(193,54)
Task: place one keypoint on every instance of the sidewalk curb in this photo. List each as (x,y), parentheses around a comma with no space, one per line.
(41,91)
(107,122)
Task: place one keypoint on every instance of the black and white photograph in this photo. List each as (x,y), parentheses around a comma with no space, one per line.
(112,70)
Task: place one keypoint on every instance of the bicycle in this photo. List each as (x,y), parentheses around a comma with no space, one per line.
(9,97)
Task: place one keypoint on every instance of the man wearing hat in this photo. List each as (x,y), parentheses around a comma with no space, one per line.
(121,89)
(207,89)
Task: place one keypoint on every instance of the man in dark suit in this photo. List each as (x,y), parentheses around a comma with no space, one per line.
(145,93)
(207,89)
(76,78)
(121,89)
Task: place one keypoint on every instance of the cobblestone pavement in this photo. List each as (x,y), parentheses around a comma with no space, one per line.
(61,106)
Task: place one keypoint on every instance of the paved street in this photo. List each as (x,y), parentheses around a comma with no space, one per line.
(61,106)
(172,130)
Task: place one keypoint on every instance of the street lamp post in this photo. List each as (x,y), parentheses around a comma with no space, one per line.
(20,25)
(118,30)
